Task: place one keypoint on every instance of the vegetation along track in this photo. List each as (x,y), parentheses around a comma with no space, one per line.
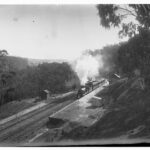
(25,127)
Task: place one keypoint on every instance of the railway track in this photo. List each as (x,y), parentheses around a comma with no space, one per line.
(31,114)
(29,130)
(20,130)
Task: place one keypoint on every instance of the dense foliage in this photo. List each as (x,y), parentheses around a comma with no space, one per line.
(115,15)
(133,55)
(110,59)
(127,57)
(108,55)
(29,82)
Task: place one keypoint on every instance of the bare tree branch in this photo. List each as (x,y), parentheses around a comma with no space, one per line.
(131,12)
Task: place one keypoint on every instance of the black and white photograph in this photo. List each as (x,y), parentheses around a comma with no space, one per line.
(74,74)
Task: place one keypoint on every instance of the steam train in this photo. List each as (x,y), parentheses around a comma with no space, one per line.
(88,87)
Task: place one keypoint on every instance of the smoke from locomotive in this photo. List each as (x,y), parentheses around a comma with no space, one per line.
(87,67)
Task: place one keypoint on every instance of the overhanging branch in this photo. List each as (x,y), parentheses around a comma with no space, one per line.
(131,13)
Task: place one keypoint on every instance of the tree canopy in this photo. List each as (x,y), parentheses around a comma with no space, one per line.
(135,54)
(133,21)
(116,16)
(18,84)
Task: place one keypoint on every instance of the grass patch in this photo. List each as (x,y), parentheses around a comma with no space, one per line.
(13,107)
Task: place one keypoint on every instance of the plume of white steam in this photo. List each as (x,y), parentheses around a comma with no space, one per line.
(87,66)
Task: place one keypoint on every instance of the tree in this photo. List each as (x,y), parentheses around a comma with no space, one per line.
(54,76)
(5,76)
(115,15)
(135,53)
(108,56)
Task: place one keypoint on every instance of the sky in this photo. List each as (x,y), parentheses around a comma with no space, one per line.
(52,31)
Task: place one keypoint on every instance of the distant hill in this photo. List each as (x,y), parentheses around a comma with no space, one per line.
(35,62)
(20,63)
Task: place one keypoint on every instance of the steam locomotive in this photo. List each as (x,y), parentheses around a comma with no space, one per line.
(88,87)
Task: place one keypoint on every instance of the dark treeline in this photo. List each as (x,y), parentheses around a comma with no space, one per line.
(128,58)
(132,57)
(17,84)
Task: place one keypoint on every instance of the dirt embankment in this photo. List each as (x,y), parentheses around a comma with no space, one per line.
(127,116)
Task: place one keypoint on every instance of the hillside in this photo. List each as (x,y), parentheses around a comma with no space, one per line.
(127,113)
(35,62)
(18,63)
